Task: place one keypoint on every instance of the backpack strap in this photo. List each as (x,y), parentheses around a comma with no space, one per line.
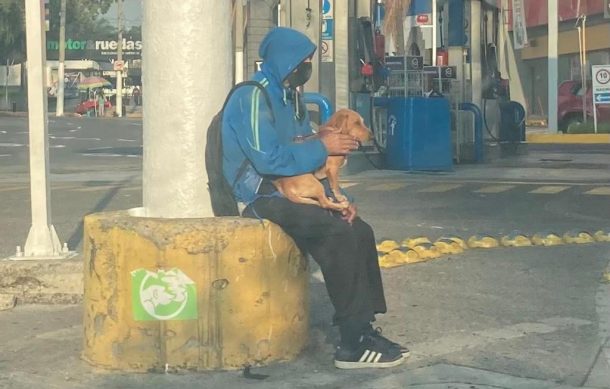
(246,162)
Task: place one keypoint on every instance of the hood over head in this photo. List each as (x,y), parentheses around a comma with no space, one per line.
(282,50)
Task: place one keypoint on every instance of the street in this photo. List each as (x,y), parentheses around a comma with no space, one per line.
(528,317)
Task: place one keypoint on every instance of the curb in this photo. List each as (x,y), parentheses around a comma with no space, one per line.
(569,138)
(43,281)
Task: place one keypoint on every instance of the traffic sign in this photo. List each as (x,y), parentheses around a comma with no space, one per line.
(601,78)
(602,98)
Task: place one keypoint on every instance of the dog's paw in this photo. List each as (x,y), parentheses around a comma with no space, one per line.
(340,198)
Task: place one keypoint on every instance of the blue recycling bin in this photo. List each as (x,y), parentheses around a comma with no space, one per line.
(419,134)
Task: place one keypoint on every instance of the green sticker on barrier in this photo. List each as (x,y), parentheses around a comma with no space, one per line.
(163,295)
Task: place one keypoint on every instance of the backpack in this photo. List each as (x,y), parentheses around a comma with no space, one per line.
(221,192)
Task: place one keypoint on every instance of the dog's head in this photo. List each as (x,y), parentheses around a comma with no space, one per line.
(350,123)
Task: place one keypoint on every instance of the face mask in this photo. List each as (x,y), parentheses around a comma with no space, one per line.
(300,76)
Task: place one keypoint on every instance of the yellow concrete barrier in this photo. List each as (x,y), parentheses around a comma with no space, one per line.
(568,138)
(196,294)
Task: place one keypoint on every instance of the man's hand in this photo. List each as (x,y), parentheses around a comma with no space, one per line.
(337,143)
(349,213)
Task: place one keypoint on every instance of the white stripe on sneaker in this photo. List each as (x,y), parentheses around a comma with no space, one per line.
(363,357)
(377,358)
(372,356)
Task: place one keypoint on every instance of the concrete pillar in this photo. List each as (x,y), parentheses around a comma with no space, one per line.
(191,294)
(186,76)
(552,65)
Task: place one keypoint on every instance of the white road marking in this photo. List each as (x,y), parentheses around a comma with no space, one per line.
(602,190)
(5,155)
(57,146)
(2,132)
(110,155)
(126,140)
(440,188)
(494,189)
(549,189)
(11,145)
(61,137)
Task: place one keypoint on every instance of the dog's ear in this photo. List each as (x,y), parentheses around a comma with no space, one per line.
(339,120)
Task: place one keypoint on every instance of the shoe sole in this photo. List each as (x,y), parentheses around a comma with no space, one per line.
(369,365)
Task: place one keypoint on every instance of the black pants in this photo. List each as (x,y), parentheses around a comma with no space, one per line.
(346,254)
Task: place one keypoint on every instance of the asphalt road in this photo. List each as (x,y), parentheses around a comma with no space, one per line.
(535,317)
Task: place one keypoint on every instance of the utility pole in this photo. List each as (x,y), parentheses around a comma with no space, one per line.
(42,241)
(119,58)
(553,27)
(59,111)
(188,72)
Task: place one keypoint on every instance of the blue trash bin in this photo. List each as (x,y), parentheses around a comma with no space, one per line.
(419,134)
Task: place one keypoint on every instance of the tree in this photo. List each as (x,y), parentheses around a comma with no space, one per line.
(81,15)
(12,31)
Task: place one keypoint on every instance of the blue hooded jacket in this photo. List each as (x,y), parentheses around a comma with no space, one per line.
(251,132)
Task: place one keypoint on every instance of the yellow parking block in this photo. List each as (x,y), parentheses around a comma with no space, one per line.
(448,246)
(426,250)
(440,188)
(458,240)
(387,245)
(578,237)
(602,236)
(568,138)
(482,241)
(387,186)
(515,240)
(549,189)
(398,257)
(602,190)
(547,239)
(494,189)
(410,242)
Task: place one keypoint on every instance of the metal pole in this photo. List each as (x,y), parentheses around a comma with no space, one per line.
(59,110)
(552,65)
(188,73)
(475,48)
(434,32)
(119,58)
(239,41)
(42,241)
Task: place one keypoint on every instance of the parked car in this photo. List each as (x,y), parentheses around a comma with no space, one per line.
(569,110)
(87,107)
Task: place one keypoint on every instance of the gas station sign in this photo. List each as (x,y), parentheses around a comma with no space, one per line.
(328,31)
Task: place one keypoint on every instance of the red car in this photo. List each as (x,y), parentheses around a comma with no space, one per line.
(569,110)
(88,106)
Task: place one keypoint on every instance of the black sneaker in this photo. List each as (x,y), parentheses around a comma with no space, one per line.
(369,353)
(376,333)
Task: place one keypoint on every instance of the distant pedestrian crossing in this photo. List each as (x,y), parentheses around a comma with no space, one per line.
(480,188)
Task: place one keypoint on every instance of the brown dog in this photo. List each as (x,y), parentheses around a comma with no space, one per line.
(306,188)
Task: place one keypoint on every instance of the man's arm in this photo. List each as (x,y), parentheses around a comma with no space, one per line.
(259,138)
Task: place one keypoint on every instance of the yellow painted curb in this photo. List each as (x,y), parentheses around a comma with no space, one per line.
(547,239)
(578,237)
(448,246)
(482,241)
(515,240)
(568,138)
